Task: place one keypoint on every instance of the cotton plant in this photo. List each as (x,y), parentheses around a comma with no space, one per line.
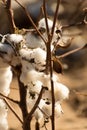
(30,52)
(33,74)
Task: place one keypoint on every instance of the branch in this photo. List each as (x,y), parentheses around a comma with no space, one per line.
(55,17)
(14,101)
(10,16)
(13,111)
(71,52)
(29,116)
(45,14)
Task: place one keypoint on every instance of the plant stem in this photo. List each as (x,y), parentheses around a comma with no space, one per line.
(10,16)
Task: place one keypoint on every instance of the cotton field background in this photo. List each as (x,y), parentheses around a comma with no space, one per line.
(74,74)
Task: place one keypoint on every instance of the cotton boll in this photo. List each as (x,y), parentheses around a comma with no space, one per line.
(61,92)
(3,124)
(6,52)
(38,115)
(33,40)
(14,38)
(3,109)
(58,110)
(29,76)
(47,110)
(45,79)
(5,80)
(37,57)
(42,25)
(35,86)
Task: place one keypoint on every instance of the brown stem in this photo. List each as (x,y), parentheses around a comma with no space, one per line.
(45,14)
(71,52)
(13,111)
(14,101)
(10,16)
(29,116)
(55,17)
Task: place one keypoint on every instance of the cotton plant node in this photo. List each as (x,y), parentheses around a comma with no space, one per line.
(31,53)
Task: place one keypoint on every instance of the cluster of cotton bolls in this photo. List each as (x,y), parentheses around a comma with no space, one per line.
(33,74)
(29,50)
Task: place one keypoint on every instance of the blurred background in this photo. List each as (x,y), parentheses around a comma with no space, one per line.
(75,70)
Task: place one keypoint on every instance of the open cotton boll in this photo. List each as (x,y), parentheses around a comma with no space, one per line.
(42,26)
(42,23)
(33,40)
(3,115)
(38,115)
(58,109)
(14,38)
(47,110)
(29,76)
(61,92)
(35,86)
(45,79)
(3,109)
(5,80)
(37,57)
(6,52)
(3,124)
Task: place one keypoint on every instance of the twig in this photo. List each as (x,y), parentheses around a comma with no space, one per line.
(45,14)
(13,111)
(29,17)
(71,52)
(14,101)
(10,16)
(55,17)
(78,93)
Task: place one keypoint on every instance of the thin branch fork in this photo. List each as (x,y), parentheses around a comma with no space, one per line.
(29,116)
(10,99)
